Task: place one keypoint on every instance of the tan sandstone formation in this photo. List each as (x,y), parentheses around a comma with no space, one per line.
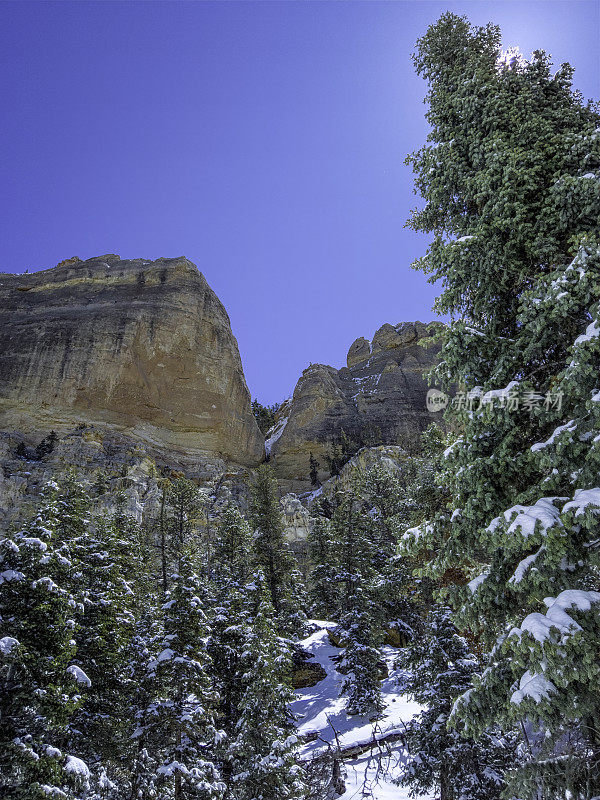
(379,398)
(141,348)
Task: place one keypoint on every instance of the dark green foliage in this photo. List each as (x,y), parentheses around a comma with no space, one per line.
(440,667)
(101,484)
(46,446)
(501,136)
(262,751)
(265,415)
(511,186)
(341,451)
(180,723)
(358,580)
(151,690)
(361,659)
(233,608)
(334,460)
(233,546)
(323,592)
(272,553)
(108,593)
(182,503)
(38,692)
(43,449)
(21,451)
(314,471)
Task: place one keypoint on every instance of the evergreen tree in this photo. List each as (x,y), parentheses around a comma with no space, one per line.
(40,688)
(395,595)
(440,666)
(334,460)
(359,580)
(342,450)
(262,752)
(231,615)
(361,662)
(144,755)
(73,525)
(272,552)
(512,197)
(182,504)
(180,721)
(46,446)
(21,451)
(354,558)
(233,546)
(323,591)
(314,471)
(108,599)
(265,415)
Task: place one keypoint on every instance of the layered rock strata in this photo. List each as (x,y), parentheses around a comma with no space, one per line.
(378,398)
(141,348)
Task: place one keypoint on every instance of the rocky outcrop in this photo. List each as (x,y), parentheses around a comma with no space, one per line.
(388,457)
(379,398)
(306,670)
(141,348)
(296,518)
(117,473)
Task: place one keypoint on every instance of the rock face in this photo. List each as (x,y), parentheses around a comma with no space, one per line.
(379,398)
(143,348)
(296,518)
(117,472)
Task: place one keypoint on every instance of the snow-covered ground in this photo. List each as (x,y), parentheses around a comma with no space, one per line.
(320,710)
(274,434)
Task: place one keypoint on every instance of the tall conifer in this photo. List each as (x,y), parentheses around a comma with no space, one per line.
(511,183)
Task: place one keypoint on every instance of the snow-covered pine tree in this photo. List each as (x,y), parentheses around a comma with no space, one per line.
(263,749)
(269,544)
(322,589)
(230,616)
(512,190)
(231,631)
(109,600)
(354,557)
(143,757)
(182,503)
(232,550)
(439,668)
(272,552)
(387,506)
(361,661)
(73,511)
(180,722)
(40,688)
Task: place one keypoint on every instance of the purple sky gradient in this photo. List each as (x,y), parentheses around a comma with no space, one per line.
(264,141)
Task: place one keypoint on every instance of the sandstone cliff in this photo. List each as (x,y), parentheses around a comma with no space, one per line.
(141,348)
(379,398)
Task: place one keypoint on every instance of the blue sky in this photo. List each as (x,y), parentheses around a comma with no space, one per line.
(263,140)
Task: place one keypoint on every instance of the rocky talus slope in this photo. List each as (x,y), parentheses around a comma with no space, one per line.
(379,398)
(142,349)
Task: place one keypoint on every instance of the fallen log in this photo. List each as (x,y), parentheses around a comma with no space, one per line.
(355,749)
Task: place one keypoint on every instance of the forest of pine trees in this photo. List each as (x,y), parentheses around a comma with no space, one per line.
(135,666)
(154,662)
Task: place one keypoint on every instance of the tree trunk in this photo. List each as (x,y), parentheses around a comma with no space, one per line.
(163,543)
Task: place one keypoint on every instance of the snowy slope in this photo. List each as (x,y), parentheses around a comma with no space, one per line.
(320,710)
